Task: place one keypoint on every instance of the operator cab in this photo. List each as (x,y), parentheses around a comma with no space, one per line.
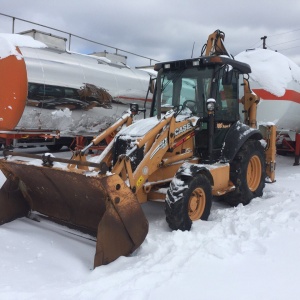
(207,88)
(187,85)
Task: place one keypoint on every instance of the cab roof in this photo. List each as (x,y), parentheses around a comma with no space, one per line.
(202,62)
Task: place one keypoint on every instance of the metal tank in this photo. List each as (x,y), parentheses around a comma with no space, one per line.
(55,78)
(276,80)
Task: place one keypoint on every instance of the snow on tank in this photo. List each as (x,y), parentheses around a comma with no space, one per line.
(276,80)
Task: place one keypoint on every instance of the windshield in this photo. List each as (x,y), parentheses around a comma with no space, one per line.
(186,91)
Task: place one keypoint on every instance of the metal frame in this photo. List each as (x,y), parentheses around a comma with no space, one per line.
(70,35)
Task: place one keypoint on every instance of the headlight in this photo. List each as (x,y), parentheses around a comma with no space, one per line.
(211,104)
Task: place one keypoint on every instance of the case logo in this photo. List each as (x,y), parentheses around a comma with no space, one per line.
(182,129)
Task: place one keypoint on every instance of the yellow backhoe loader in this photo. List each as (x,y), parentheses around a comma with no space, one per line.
(191,148)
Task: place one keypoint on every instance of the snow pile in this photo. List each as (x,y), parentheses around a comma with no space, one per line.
(247,252)
(9,42)
(271,70)
(68,122)
(62,119)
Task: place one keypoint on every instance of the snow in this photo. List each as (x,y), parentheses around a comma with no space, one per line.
(247,252)
(274,73)
(10,41)
(272,70)
(151,72)
(139,128)
(103,59)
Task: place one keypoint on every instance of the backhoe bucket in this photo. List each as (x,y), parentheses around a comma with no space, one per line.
(101,205)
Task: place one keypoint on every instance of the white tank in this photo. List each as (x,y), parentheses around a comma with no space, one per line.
(54,77)
(276,80)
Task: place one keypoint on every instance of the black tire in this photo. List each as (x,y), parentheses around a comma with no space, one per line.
(187,202)
(55,147)
(247,172)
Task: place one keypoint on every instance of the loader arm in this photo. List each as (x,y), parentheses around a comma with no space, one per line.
(125,119)
(112,130)
(168,135)
(161,144)
(107,135)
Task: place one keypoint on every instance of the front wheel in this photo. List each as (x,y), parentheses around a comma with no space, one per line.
(188,199)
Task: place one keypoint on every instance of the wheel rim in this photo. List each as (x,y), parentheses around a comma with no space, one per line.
(197,204)
(254,173)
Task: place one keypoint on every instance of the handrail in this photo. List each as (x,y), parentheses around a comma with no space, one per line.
(75,35)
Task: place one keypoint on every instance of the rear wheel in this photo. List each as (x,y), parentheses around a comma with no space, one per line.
(188,199)
(247,172)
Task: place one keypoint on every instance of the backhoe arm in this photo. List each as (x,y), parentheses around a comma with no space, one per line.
(215,44)
(250,101)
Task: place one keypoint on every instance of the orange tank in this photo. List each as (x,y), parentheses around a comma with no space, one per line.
(13,91)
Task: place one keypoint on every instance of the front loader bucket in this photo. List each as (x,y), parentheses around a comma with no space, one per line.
(102,205)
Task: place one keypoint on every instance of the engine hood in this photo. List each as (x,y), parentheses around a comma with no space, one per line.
(139,128)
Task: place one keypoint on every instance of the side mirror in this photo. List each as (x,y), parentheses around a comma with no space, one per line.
(135,109)
(152,85)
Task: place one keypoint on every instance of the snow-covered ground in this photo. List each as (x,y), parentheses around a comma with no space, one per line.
(247,252)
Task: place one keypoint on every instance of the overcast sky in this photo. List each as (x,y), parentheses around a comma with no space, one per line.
(165,29)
